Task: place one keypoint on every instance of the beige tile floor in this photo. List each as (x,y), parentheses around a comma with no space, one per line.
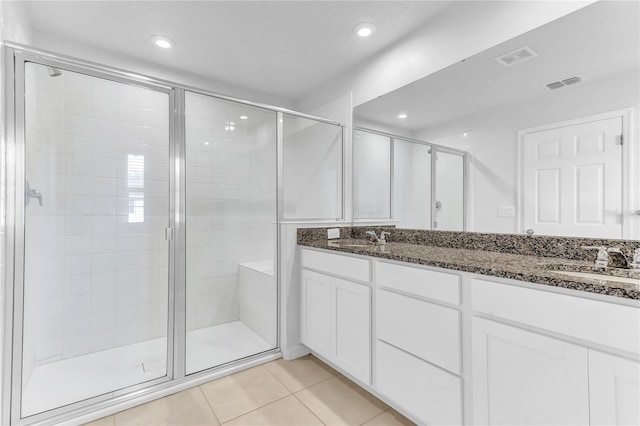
(301,392)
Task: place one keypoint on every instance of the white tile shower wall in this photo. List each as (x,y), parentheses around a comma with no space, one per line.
(96,275)
(257,298)
(231,203)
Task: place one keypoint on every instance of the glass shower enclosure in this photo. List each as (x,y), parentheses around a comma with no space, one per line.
(144,218)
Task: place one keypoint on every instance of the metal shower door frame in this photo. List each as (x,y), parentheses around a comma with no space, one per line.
(16,61)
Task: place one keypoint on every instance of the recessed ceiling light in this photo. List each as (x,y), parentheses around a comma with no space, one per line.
(465,134)
(364,29)
(162,41)
(243,117)
(402,115)
(206,143)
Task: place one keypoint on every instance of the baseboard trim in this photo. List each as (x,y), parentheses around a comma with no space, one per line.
(295,352)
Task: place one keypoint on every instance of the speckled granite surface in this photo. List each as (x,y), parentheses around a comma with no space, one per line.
(531,259)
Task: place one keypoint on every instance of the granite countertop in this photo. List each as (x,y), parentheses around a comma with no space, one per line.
(535,269)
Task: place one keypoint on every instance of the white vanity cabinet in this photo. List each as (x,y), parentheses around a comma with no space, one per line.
(614,389)
(450,347)
(522,376)
(336,312)
(418,342)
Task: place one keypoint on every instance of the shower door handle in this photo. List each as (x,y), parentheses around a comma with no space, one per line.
(31,193)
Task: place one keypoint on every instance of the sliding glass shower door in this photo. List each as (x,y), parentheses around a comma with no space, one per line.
(231,228)
(95,311)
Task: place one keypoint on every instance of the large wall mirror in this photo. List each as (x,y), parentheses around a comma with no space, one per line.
(549,121)
(409,182)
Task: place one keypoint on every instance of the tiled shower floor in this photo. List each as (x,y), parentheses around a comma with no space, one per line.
(62,382)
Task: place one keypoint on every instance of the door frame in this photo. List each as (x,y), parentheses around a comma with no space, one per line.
(630,164)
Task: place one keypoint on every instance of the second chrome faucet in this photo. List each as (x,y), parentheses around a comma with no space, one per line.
(603,257)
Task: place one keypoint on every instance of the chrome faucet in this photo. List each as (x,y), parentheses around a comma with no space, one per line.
(381,240)
(383,237)
(602,259)
(618,252)
(635,261)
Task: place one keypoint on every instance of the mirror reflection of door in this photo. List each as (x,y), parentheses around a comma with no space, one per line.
(449,192)
(572,179)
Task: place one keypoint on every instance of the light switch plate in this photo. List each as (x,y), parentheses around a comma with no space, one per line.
(333,233)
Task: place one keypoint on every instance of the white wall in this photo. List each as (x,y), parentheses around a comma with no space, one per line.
(313,169)
(493,136)
(371,125)
(459,32)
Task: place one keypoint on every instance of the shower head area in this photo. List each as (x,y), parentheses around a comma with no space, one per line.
(54,72)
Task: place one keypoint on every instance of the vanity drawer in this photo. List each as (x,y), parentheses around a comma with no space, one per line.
(610,324)
(421,282)
(429,393)
(426,330)
(336,264)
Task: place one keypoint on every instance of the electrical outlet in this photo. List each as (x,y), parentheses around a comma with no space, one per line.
(333,233)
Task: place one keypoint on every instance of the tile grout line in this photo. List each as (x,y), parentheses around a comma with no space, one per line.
(309,408)
(304,388)
(338,375)
(377,415)
(209,404)
(258,408)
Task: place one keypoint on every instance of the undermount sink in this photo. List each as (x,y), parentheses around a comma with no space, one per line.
(603,277)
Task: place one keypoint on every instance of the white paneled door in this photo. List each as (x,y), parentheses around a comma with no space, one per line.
(572,180)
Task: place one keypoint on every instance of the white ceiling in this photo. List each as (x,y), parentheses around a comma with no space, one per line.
(598,42)
(284,48)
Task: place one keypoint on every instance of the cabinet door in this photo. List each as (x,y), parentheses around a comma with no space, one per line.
(520,377)
(316,312)
(352,337)
(614,390)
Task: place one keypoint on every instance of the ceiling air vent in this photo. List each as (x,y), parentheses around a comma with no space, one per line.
(566,82)
(572,80)
(516,56)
